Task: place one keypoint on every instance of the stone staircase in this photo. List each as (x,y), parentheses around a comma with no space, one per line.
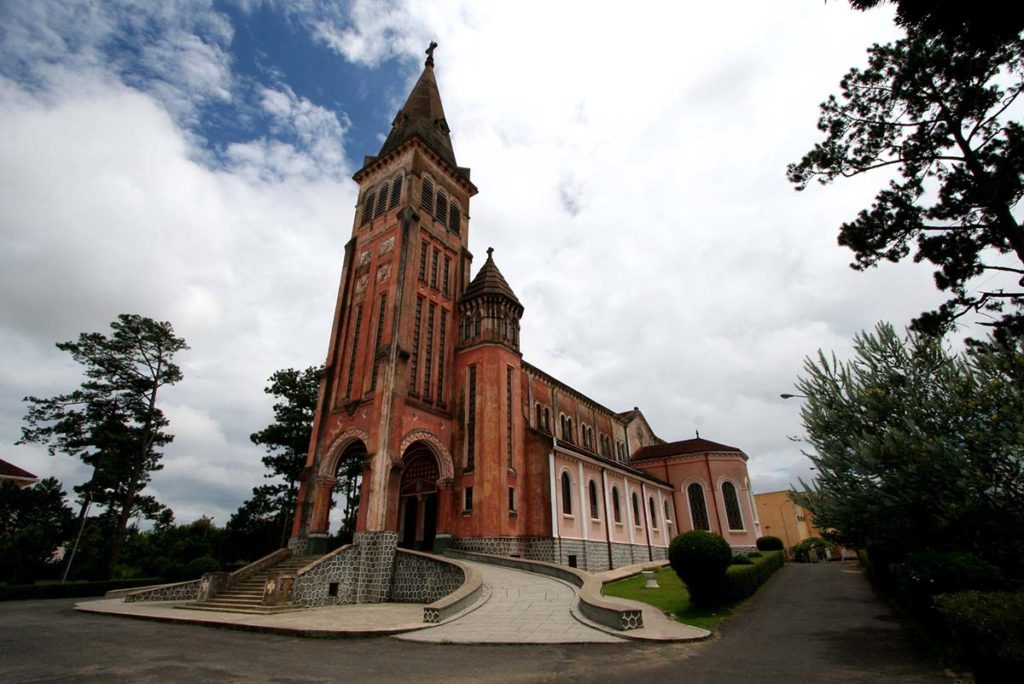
(246,596)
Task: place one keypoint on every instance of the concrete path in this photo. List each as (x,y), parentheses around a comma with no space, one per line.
(523,608)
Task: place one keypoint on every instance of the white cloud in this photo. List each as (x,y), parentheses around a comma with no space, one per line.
(104,210)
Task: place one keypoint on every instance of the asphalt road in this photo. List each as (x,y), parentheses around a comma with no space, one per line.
(811,623)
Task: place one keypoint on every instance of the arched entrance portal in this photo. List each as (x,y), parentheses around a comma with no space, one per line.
(418,499)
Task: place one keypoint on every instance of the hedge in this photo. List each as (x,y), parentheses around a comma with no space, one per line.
(988,630)
(24,592)
(742,581)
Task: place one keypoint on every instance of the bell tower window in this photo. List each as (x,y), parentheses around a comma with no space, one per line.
(427,196)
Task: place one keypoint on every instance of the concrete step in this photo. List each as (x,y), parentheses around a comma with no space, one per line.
(255,610)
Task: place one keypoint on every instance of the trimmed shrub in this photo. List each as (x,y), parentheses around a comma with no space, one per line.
(754,554)
(988,628)
(700,559)
(742,560)
(198,566)
(741,582)
(770,543)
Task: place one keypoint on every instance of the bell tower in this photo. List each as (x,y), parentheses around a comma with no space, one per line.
(388,390)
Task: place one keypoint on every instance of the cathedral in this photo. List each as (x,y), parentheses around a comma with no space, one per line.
(464,444)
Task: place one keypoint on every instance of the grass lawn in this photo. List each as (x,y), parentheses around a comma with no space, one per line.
(672,598)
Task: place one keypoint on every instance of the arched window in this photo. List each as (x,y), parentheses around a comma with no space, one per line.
(368,207)
(547,420)
(382,200)
(654,513)
(476,325)
(593,500)
(566,494)
(732,506)
(569,433)
(454,217)
(441,207)
(698,509)
(616,510)
(396,192)
(427,195)
(636,510)
(540,417)
(668,518)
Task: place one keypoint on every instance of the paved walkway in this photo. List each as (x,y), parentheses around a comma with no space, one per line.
(522,608)
(360,620)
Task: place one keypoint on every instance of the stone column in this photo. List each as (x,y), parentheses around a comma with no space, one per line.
(375,564)
(445,492)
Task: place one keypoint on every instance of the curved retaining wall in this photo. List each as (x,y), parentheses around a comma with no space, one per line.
(450,586)
(596,607)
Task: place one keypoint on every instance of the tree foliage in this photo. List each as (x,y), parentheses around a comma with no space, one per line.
(917,448)
(34,522)
(286,441)
(112,421)
(982,22)
(287,438)
(943,113)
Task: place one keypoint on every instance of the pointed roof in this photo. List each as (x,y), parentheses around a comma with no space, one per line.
(422,116)
(489,281)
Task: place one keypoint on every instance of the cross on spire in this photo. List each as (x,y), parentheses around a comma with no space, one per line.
(490,251)
(430,54)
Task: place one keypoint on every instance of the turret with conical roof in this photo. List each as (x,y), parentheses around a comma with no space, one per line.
(489,310)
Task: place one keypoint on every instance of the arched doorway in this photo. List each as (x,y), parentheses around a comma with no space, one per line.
(418,499)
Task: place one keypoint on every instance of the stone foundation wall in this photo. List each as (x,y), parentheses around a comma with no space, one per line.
(297,545)
(312,589)
(591,556)
(530,548)
(659,553)
(423,580)
(182,591)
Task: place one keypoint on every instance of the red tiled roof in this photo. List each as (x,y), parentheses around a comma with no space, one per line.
(12,471)
(682,448)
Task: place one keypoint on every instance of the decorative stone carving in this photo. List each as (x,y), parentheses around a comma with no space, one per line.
(440,451)
(329,464)
(361,282)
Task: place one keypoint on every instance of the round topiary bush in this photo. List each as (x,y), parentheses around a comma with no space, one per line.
(770,543)
(197,566)
(700,559)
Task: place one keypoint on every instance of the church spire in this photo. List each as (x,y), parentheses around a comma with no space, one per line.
(422,116)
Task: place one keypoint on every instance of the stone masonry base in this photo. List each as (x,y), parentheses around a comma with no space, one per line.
(587,555)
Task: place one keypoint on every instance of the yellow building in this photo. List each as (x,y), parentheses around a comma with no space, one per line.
(782,518)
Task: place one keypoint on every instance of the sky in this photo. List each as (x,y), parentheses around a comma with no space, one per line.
(191,161)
